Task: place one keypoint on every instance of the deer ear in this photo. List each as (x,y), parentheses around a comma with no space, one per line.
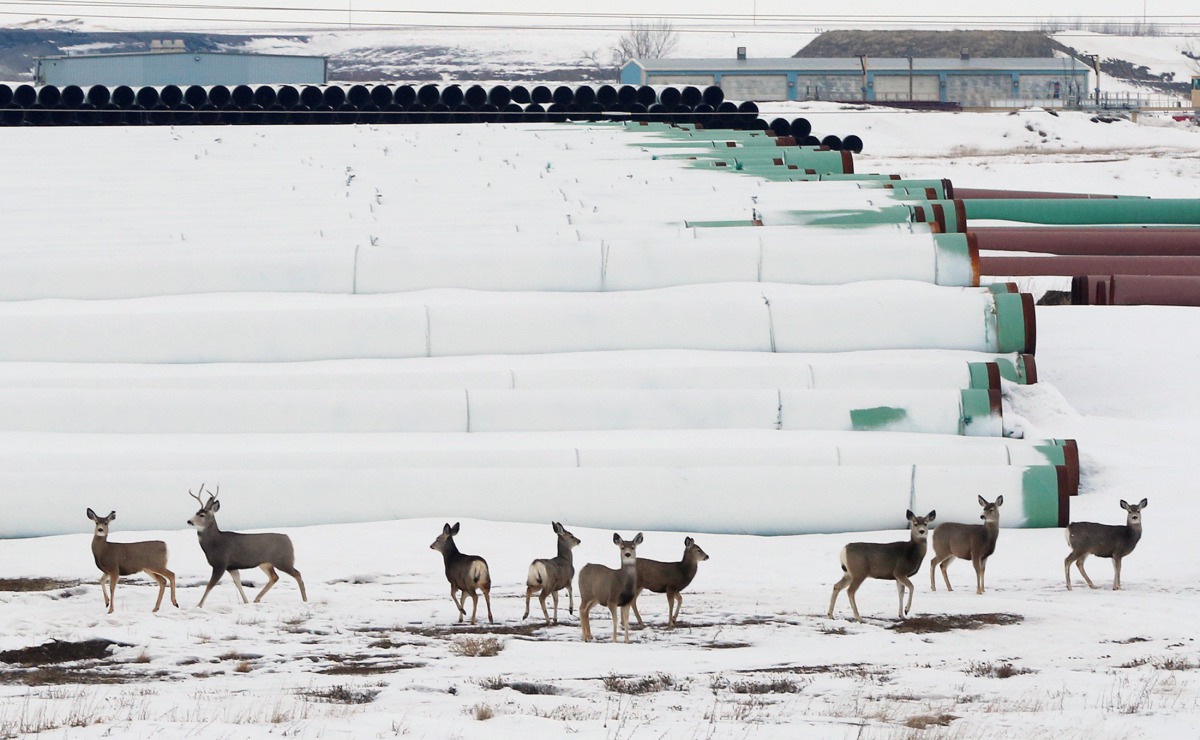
(1124,505)
(1000,500)
(91,514)
(112,515)
(1143,504)
(214,506)
(557,527)
(982,500)
(909,515)
(638,540)
(688,542)
(454,529)
(616,538)
(932,515)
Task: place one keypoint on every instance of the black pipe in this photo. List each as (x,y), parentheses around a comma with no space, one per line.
(73,96)
(541,95)
(310,97)
(747,112)
(475,96)
(123,96)
(658,113)
(25,96)
(394,113)
(170,96)
(833,141)
(159,115)
(87,115)
(37,114)
(417,113)
(265,95)
(147,97)
(111,115)
(535,113)
(691,96)
(428,95)
(208,114)
(6,95)
(452,96)
(98,95)
(219,96)
(647,96)
(61,115)
(183,114)
(12,114)
(556,113)
(563,95)
(275,114)
(801,127)
(369,114)
(809,140)
(382,96)
(727,115)
(637,112)
(463,113)
(702,115)
(404,96)
(489,113)
(670,97)
(499,96)
(195,96)
(253,114)
(626,96)
(287,96)
(595,112)
(231,113)
(335,97)
(49,96)
(299,114)
(512,113)
(347,113)
(322,114)
(853,143)
(758,124)
(714,96)
(242,96)
(584,96)
(438,113)
(520,94)
(358,96)
(606,95)
(781,127)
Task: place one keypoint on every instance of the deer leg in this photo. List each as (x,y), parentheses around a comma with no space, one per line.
(584,622)
(1067,567)
(1079,565)
(945,565)
(625,621)
(980,564)
(555,595)
(104,587)
(170,576)
(570,598)
(216,576)
(837,589)
(236,576)
(474,602)
(112,590)
(854,584)
(487,597)
(902,583)
(528,595)
(291,571)
(454,598)
(162,588)
(637,615)
(272,577)
(612,608)
(1116,572)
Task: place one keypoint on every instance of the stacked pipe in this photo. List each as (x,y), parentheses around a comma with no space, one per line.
(860,357)
(374,103)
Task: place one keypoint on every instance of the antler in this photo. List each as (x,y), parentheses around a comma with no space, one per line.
(197,497)
(212,496)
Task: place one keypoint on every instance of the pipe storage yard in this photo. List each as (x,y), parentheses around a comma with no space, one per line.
(781,324)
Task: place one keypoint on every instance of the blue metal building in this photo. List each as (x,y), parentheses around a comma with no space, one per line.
(180,68)
(966,81)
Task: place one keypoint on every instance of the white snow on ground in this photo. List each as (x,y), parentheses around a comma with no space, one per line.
(376,652)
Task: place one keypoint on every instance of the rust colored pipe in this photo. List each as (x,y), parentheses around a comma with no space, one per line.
(1091,265)
(1152,290)
(1094,241)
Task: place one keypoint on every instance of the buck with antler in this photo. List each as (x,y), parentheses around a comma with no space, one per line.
(116,559)
(230,552)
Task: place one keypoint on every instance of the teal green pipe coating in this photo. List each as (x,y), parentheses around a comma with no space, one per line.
(1042,501)
(1078,211)
(1011,330)
(976,404)
(980,375)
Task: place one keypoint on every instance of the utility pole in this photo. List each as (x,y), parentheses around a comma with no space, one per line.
(862,60)
(1095,60)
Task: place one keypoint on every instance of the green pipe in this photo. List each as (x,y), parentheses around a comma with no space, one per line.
(1077,211)
(982,374)
(1015,327)
(1044,502)
(1019,369)
(981,413)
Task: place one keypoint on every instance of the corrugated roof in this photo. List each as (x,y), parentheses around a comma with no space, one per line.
(175,52)
(851,64)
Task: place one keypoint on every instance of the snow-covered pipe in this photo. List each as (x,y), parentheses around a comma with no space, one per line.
(779,500)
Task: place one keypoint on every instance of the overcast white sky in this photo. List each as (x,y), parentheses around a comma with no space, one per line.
(1169,15)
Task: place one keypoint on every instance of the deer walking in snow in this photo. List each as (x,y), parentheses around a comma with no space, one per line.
(668,578)
(548,576)
(601,585)
(892,561)
(1104,541)
(974,541)
(116,559)
(466,573)
(230,552)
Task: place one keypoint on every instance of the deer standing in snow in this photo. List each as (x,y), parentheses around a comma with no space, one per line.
(548,576)
(466,573)
(975,541)
(116,559)
(601,585)
(668,578)
(1105,541)
(892,561)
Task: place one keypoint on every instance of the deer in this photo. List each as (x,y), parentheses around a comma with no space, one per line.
(230,552)
(892,561)
(975,541)
(668,578)
(548,576)
(615,589)
(1105,541)
(116,559)
(466,573)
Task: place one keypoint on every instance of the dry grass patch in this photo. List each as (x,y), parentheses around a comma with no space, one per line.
(951,622)
(482,712)
(341,694)
(476,647)
(925,721)
(1003,669)
(638,685)
(35,584)
(1167,663)
(782,685)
